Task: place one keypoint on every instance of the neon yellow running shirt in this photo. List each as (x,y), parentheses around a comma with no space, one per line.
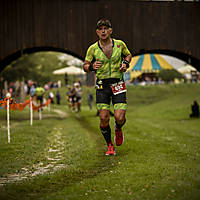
(39,91)
(110,67)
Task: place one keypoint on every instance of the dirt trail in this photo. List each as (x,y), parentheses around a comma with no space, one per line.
(54,154)
(61,113)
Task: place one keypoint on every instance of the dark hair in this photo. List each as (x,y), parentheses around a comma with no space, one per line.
(103,22)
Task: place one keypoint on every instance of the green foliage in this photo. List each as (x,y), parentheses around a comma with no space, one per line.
(37,67)
(169,74)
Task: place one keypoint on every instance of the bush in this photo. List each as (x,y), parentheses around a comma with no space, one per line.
(168,75)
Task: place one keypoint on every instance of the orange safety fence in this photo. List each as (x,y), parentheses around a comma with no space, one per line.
(20,106)
(40,106)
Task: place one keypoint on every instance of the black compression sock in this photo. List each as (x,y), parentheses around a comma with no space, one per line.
(106,132)
(119,126)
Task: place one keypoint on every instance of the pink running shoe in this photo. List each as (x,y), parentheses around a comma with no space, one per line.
(111,150)
(118,136)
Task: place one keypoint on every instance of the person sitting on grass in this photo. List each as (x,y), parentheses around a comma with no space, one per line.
(195,109)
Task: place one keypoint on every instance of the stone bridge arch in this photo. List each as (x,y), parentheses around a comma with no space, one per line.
(177,54)
(164,26)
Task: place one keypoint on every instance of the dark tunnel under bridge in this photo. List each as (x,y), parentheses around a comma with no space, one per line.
(170,28)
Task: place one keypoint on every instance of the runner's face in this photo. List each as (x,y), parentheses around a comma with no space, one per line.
(104,32)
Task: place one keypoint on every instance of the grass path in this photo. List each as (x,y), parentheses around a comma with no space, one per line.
(62,163)
(160,158)
(53,153)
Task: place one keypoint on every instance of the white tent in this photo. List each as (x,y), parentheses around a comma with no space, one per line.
(186,69)
(75,62)
(69,70)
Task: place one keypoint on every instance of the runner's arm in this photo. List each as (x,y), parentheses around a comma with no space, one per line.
(86,66)
(128,58)
(90,66)
(125,63)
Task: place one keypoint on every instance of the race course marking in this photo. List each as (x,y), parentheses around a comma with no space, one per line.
(54,154)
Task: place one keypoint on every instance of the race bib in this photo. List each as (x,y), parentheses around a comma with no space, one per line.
(118,88)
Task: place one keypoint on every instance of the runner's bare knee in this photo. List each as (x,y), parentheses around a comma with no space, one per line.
(104,117)
(119,117)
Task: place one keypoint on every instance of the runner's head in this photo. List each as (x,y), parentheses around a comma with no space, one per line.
(76,84)
(104,22)
(104,29)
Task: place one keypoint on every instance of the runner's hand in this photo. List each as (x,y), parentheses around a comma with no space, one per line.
(123,67)
(97,64)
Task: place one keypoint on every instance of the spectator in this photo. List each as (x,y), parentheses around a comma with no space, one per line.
(66,79)
(32,91)
(195,109)
(59,83)
(58,97)
(51,97)
(78,96)
(71,97)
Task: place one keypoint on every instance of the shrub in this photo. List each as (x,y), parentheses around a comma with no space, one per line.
(169,75)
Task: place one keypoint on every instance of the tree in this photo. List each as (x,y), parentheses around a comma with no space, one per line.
(37,67)
(169,75)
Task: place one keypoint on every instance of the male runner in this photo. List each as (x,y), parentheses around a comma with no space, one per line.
(109,58)
(39,92)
